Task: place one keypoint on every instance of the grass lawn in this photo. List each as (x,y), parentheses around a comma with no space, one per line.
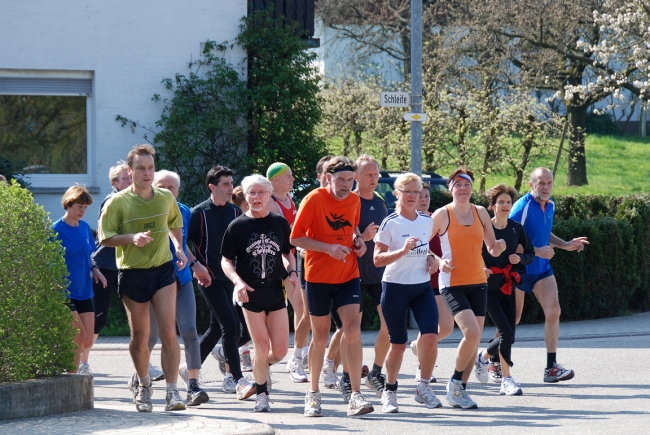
(616,165)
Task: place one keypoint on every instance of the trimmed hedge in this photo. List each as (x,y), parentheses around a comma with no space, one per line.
(36,330)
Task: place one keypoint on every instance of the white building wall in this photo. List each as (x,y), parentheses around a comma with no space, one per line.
(128,46)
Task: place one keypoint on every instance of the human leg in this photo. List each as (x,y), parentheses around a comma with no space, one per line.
(138,316)
(164,307)
(186,321)
(545,290)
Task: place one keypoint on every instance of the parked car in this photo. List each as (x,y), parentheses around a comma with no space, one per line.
(386,185)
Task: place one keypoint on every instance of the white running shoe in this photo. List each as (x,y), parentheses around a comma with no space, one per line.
(328,377)
(425,395)
(494,370)
(174,402)
(481,369)
(229,385)
(262,403)
(509,387)
(467,402)
(155,373)
(414,347)
(245,362)
(312,404)
(297,370)
(376,383)
(244,389)
(84,369)
(358,405)
(389,402)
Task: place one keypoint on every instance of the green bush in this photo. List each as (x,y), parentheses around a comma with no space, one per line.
(36,330)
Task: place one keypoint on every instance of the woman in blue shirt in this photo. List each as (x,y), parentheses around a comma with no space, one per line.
(78,243)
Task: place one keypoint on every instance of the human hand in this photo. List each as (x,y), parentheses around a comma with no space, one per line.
(545,252)
(142,239)
(514,258)
(577,244)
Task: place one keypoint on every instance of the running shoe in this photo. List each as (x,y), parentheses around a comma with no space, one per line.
(133,384)
(174,401)
(244,389)
(414,347)
(557,373)
(229,385)
(454,396)
(467,402)
(312,404)
(182,372)
(143,399)
(494,370)
(481,369)
(509,387)
(376,383)
(418,377)
(84,369)
(346,390)
(328,377)
(245,362)
(156,373)
(262,403)
(358,405)
(196,395)
(217,353)
(389,402)
(364,371)
(296,370)
(425,395)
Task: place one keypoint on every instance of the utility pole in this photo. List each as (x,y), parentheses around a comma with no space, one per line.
(416,85)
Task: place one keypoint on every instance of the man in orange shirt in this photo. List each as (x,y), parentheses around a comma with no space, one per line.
(327,228)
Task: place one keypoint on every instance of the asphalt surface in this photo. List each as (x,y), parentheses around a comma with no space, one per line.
(610,393)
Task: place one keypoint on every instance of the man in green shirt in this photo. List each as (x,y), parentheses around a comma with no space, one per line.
(139,221)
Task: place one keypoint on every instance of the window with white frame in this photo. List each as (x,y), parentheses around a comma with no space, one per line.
(45,126)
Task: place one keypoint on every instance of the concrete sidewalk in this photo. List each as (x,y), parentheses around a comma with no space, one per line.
(610,393)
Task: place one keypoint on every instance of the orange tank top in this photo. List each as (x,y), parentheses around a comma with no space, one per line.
(462,245)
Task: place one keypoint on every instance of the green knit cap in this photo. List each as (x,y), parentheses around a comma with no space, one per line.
(277,168)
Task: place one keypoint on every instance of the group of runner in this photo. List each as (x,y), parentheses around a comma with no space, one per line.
(455,264)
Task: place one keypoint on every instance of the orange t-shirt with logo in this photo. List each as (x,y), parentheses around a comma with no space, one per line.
(324,218)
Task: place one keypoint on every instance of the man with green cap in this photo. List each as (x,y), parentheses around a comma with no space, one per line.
(281,203)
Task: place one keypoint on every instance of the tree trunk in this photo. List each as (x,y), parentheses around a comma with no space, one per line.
(577,168)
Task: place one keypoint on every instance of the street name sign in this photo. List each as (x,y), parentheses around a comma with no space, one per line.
(394,99)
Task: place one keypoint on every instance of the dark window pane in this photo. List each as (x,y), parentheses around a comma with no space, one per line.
(43,134)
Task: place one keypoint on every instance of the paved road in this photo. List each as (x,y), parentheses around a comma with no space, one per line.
(610,393)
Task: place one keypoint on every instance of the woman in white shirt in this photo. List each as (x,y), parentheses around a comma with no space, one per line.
(402,245)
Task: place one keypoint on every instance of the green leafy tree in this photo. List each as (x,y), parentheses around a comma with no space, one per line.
(36,333)
(283,96)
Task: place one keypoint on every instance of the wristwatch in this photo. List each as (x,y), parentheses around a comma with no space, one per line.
(193,263)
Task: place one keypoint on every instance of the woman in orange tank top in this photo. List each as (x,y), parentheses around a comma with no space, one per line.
(463,227)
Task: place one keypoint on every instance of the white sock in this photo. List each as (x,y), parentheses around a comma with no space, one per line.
(297,352)
(305,350)
(481,359)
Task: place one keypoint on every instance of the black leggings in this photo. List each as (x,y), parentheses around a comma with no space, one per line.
(102,298)
(226,322)
(503,312)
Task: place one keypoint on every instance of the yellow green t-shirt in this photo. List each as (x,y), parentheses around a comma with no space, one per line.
(127,213)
